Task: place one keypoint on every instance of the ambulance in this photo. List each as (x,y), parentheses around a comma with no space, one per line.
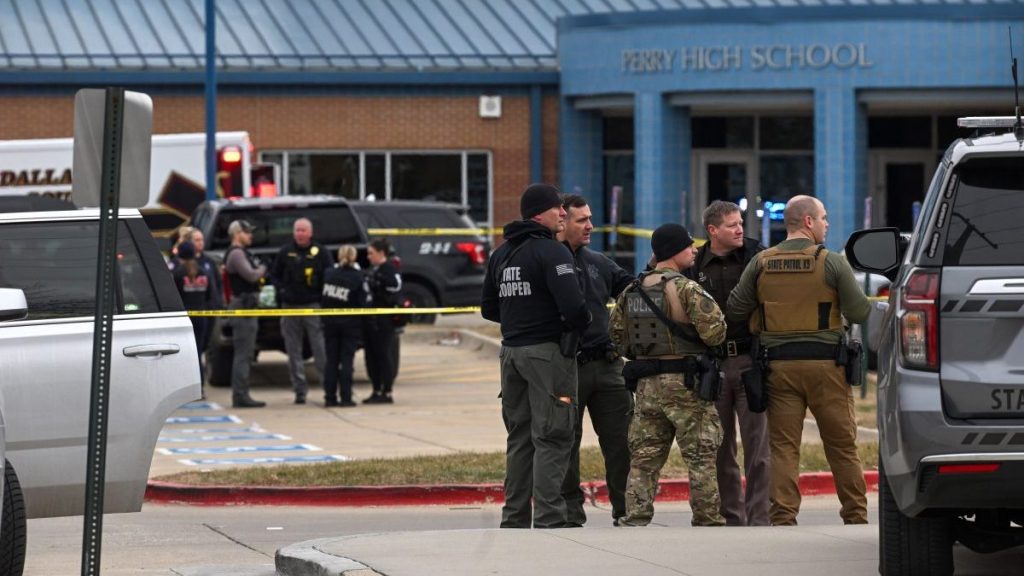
(177,181)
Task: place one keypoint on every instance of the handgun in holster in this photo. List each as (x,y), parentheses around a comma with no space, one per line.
(708,377)
(850,352)
(755,379)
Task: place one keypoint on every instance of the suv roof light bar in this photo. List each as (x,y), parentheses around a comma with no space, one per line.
(986,122)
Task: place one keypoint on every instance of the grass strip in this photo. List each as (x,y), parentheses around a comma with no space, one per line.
(462,468)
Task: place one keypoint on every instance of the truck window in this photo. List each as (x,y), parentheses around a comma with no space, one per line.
(273,228)
(55,265)
(986,225)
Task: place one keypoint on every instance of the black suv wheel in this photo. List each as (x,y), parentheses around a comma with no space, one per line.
(13,530)
(911,546)
(420,296)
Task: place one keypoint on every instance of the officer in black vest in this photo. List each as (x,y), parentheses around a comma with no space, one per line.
(717,267)
(531,289)
(344,287)
(244,275)
(602,389)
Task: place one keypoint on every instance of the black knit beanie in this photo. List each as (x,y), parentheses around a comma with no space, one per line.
(538,198)
(669,240)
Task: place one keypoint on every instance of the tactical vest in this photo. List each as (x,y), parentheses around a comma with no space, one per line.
(238,284)
(648,336)
(793,295)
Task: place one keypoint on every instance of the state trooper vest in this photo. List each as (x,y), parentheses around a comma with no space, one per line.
(793,295)
(238,284)
(649,337)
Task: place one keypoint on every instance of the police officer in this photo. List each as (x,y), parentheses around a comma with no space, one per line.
(664,323)
(298,277)
(531,289)
(717,268)
(385,285)
(795,295)
(244,275)
(602,390)
(344,287)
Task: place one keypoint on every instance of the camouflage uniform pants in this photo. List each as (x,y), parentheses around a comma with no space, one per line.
(666,409)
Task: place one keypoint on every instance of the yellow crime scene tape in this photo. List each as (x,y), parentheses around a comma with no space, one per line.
(280,312)
(624,230)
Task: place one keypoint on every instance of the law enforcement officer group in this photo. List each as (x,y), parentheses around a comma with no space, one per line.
(729,341)
(303,275)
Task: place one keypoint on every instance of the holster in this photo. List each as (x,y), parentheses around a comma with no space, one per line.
(755,380)
(568,343)
(854,368)
(710,382)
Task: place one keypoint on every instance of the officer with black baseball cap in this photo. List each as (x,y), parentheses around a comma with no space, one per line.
(532,290)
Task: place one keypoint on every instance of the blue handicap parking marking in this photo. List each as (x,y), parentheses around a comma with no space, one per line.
(245,430)
(223,438)
(201,405)
(239,449)
(265,460)
(229,418)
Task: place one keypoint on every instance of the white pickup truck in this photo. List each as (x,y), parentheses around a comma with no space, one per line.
(47,305)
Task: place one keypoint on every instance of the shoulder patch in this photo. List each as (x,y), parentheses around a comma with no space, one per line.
(563,269)
(707,306)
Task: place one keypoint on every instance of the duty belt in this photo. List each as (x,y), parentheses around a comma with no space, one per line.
(587,355)
(674,366)
(804,351)
(731,348)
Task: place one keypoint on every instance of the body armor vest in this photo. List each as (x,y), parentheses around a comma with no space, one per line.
(238,284)
(793,295)
(649,337)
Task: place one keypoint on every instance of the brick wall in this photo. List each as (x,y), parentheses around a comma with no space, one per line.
(282,121)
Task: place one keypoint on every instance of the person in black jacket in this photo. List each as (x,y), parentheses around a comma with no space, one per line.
(385,284)
(245,274)
(197,293)
(298,277)
(531,289)
(344,287)
(718,267)
(602,389)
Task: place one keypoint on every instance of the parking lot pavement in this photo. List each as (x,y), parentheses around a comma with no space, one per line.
(445,402)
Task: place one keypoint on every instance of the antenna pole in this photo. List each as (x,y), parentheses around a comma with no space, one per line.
(1018,127)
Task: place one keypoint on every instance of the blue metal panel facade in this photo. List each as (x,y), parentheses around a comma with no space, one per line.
(833,53)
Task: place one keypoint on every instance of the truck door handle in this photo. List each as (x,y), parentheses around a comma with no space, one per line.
(157,350)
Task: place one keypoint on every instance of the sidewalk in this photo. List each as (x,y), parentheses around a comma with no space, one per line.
(445,402)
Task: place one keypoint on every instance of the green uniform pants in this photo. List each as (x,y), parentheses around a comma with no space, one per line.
(793,387)
(535,381)
(666,409)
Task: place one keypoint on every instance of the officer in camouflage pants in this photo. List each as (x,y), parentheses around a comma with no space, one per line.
(666,408)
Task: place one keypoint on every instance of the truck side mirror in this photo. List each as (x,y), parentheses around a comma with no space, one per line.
(876,251)
(13,305)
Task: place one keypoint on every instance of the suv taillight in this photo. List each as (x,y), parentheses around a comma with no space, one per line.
(919,320)
(475,251)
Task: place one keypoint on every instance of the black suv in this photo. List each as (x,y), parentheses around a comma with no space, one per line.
(950,386)
(437,269)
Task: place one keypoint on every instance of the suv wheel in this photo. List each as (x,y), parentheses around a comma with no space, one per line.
(908,546)
(13,530)
(421,296)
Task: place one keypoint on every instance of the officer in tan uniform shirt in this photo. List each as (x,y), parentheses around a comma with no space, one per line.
(795,295)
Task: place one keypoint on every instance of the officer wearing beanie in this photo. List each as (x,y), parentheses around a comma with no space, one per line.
(531,289)
(663,349)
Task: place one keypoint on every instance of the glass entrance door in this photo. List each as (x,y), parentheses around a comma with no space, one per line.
(899,179)
(730,177)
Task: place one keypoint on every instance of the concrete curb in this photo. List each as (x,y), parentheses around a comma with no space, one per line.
(306,559)
(811,484)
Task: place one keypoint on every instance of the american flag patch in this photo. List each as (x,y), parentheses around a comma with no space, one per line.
(563,269)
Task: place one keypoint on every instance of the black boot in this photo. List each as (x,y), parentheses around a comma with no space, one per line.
(246,401)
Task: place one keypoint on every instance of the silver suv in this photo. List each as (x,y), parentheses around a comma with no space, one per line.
(47,303)
(951,361)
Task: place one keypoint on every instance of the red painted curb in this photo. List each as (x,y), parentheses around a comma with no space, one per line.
(168,493)
(811,484)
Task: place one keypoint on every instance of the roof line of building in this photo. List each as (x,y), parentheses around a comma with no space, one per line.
(270,78)
(926,10)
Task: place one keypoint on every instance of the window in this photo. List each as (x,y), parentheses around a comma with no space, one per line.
(331,225)
(55,265)
(462,177)
(786,133)
(986,226)
(723,132)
